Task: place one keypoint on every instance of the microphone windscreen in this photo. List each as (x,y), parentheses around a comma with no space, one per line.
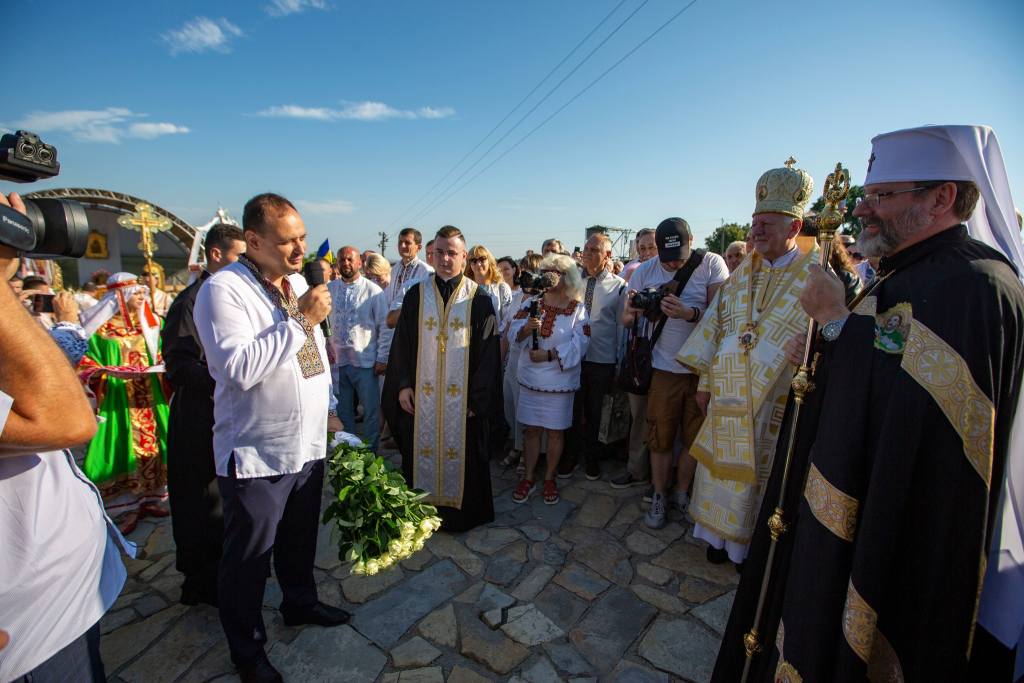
(548,280)
(313,272)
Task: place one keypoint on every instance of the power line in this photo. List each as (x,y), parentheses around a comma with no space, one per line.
(534,108)
(557,111)
(536,87)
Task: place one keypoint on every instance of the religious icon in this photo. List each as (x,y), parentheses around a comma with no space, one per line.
(97,246)
(747,337)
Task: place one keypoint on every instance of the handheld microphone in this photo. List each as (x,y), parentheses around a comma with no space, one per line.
(542,284)
(314,276)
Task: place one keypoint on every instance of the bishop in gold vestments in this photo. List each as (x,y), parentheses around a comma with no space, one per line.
(738,351)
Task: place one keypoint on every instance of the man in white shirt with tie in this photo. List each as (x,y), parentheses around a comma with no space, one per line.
(409,268)
(358,314)
(603,296)
(259,324)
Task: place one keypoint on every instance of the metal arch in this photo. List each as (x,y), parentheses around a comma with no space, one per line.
(181,233)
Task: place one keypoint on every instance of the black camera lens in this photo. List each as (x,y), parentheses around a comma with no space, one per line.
(27,149)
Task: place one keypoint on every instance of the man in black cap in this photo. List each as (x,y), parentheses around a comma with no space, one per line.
(688,280)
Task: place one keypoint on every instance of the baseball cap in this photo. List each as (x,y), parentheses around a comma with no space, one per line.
(673,239)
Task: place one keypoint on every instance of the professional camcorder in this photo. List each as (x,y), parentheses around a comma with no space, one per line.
(53,228)
(534,285)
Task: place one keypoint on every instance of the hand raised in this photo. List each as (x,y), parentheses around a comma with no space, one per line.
(315,304)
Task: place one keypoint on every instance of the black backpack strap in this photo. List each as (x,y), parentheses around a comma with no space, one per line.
(682,276)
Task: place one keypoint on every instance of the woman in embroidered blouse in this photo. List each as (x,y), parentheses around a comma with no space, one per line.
(550,375)
(482,269)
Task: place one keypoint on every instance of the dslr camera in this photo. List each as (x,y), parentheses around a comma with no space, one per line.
(53,228)
(648,300)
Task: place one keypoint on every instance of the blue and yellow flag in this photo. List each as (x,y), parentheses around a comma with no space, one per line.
(325,252)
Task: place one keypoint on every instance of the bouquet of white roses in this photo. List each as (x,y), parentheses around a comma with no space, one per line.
(378,520)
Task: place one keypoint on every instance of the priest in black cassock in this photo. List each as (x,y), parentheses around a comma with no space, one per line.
(894,498)
(196,516)
(442,389)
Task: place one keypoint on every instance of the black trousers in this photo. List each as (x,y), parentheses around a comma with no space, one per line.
(79,662)
(596,379)
(279,514)
(196,515)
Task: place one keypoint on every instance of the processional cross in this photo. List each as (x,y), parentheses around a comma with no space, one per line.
(146,221)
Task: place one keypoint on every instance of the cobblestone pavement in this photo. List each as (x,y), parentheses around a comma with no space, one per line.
(579,591)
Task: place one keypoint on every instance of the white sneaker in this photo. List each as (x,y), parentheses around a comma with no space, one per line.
(682,501)
(656,517)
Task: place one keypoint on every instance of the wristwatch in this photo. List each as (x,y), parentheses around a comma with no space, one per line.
(831,330)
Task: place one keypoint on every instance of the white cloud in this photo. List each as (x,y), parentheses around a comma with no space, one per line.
(103,125)
(202,34)
(356,111)
(293,112)
(327,207)
(153,130)
(282,8)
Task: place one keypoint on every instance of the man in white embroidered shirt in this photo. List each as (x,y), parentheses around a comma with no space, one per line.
(258,322)
(359,310)
(604,294)
(409,268)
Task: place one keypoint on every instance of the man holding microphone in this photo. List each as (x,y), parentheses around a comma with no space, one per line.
(273,406)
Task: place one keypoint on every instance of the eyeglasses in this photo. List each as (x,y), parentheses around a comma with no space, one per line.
(450,254)
(478,261)
(875,198)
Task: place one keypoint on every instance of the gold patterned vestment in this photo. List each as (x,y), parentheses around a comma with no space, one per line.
(749,388)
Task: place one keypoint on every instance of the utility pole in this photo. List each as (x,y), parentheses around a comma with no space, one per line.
(383,242)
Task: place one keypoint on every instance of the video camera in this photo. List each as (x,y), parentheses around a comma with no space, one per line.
(53,228)
(535,285)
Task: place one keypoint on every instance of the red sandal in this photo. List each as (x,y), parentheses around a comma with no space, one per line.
(551,496)
(523,491)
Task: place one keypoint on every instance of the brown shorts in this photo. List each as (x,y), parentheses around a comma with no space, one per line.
(671,403)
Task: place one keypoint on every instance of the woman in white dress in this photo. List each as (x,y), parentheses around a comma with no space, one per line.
(529,264)
(482,269)
(549,375)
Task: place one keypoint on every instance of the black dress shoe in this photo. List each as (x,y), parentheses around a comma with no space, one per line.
(261,671)
(318,615)
(717,555)
(193,596)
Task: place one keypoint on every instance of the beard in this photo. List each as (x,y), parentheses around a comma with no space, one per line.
(893,232)
(347,272)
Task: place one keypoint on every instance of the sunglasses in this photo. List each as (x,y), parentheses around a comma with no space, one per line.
(478,261)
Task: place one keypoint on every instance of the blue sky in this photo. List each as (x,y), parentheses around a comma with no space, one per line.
(354,110)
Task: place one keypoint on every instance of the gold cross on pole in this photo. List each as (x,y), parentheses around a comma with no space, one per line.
(146,221)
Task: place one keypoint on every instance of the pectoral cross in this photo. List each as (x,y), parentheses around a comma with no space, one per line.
(441,339)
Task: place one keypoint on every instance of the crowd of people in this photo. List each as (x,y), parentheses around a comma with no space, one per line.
(897,556)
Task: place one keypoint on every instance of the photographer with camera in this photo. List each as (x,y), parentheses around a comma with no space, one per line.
(61,567)
(670,294)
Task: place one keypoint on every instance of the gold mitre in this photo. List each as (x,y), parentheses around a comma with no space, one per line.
(784,190)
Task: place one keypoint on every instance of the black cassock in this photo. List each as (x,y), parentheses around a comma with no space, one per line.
(197,518)
(880,579)
(484,399)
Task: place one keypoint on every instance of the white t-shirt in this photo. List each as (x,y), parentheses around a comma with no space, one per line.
(651,273)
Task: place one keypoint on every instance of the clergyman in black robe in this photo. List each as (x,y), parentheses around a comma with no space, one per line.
(484,400)
(898,463)
(196,515)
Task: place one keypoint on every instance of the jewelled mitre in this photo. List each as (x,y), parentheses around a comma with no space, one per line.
(784,190)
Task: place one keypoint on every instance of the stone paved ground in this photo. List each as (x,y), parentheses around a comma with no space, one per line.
(579,591)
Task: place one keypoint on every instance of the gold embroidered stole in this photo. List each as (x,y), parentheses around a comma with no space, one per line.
(442,375)
(740,379)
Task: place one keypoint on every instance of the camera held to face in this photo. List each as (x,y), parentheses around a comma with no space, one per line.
(50,228)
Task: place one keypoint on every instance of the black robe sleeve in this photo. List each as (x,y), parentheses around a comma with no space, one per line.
(182,350)
(485,378)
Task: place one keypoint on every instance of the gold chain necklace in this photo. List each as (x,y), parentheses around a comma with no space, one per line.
(747,337)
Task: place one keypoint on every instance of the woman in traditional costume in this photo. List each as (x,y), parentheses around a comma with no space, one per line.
(127,459)
(549,376)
